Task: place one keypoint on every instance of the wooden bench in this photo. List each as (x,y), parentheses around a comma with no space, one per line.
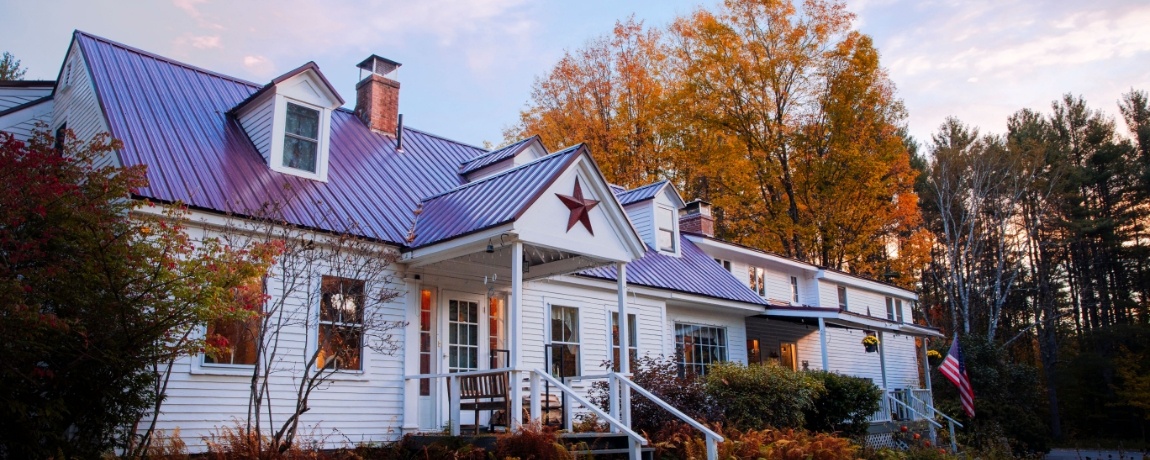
(488,392)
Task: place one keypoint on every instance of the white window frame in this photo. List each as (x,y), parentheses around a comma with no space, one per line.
(673,230)
(726,264)
(843,299)
(548,358)
(795,290)
(203,358)
(757,280)
(279,131)
(700,368)
(363,355)
(632,339)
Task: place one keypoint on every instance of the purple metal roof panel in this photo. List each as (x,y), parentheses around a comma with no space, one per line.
(495,156)
(642,193)
(172,117)
(489,202)
(693,272)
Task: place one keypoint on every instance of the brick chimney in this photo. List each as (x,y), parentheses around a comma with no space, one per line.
(696,218)
(377,95)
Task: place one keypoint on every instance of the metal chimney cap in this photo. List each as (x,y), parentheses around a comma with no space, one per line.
(378,65)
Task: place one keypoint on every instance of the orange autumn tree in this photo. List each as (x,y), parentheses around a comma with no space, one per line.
(608,95)
(780,115)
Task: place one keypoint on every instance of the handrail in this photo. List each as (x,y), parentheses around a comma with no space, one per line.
(937,412)
(712,438)
(950,423)
(593,408)
(924,417)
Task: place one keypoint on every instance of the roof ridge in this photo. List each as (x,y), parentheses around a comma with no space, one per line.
(166,59)
(647,186)
(437,136)
(536,161)
(494,151)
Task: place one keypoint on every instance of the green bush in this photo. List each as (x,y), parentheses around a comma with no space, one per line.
(761,395)
(844,406)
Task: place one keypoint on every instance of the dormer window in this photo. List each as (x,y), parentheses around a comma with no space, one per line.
(666,231)
(289,122)
(301,138)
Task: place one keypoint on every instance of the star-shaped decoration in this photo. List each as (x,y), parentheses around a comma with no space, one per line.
(580,207)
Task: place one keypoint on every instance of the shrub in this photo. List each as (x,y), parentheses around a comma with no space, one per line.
(767,444)
(660,376)
(531,442)
(844,406)
(761,395)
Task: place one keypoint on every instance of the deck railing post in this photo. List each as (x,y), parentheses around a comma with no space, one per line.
(516,384)
(613,399)
(453,402)
(536,413)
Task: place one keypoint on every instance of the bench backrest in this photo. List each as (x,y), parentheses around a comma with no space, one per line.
(488,386)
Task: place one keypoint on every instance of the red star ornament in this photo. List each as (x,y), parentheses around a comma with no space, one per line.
(580,207)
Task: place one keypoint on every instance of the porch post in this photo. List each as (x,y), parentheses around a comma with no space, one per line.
(624,351)
(882,359)
(411,358)
(926,368)
(823,342)
(515,418)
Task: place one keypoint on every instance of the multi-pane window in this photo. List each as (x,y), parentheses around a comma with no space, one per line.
(758,280)
(563,358)
(234,341)
(666,220)
(725,263)
(341,324)
(632,341)
(497,332)
(301,138)
(894,309)
(699,346)
(842,298)
(462,335)
(795,289)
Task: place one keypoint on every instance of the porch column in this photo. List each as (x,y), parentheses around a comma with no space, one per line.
(516,340)
(624,351)
(882,359)
(411,358)
(926,366)
(823,342)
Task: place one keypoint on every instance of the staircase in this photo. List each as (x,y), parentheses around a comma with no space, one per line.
(601,445)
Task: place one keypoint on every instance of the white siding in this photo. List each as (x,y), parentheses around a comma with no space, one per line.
(22,123)
(363,406)
(642,217)
(77,105)
(257,123)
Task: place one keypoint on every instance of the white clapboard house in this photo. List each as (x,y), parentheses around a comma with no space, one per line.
(516,262)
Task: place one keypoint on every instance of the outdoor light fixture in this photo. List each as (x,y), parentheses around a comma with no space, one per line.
(526,265)
(490,248)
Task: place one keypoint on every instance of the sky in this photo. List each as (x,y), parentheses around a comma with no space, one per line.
(468,65)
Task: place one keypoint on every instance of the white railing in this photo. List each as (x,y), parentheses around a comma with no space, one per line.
(883,412)
(453,394)
(951,423)
(712,439)
(616,426)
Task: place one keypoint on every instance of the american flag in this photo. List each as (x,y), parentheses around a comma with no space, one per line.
(954,370)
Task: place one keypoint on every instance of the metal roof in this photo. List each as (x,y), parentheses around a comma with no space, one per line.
(642,193)
(491,201)
(172,117)
(693,272)
(495,156)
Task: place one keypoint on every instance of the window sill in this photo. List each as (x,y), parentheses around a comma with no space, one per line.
(238,370)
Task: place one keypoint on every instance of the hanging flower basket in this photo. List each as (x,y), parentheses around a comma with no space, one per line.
(870,342)
(934,357)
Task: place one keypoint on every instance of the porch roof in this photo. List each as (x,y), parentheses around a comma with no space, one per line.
(851,320)
(693,272)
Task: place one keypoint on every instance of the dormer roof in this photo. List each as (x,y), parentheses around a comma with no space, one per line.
(500,154)
(648,192)
(311,66)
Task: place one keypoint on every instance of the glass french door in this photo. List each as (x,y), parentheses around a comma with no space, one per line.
(462,335)
(428,362)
